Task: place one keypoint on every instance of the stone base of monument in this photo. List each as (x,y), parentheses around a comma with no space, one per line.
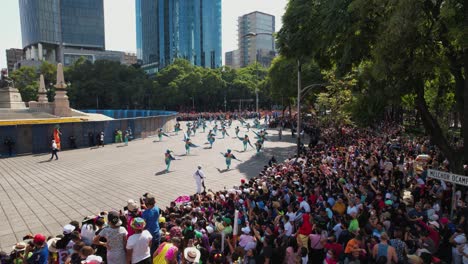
(61,104)
(11,98)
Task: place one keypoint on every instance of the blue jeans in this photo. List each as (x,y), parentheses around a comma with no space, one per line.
(155,242)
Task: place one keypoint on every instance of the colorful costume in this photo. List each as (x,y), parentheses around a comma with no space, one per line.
(161,134)
(224,132)
(188,145)
(237,131)
(57,134)
(248,127)
(229,156)
(177,128)
(215,129)
(166,253)
(167,159)
(245,141)
(204,126)
(259,145)
(211,139)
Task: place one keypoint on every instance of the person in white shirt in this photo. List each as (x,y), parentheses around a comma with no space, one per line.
(288,228)
(138,244)
(54,150)
(199,177)
(304,205)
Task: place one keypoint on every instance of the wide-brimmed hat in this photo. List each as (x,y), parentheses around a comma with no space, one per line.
(52,244)
(192,254)
(20,246)
(132,205)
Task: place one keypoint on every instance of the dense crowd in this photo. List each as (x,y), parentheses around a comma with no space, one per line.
(192,116)
(353,196)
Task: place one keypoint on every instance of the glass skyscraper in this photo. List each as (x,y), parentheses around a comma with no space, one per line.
(170,29)
(50,26)
(256,40)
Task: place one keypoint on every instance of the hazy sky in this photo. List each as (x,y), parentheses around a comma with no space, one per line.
(120,22)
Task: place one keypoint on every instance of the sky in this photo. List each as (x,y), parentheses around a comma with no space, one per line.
(120,23)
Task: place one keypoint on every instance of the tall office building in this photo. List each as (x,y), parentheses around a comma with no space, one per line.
(12,57)
(232,59)
(170,29)
(256,40)
(63,31)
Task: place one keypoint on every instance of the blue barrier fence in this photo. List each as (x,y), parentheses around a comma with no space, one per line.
(37,138)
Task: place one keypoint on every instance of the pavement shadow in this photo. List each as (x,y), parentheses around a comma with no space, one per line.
(121,146)
(45,161)
(252,166)
(222,171)
(42,154)
(207,148)
(161,172)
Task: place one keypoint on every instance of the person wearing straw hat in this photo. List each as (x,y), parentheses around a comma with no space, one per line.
(192,255)
(17,254)
(138,244)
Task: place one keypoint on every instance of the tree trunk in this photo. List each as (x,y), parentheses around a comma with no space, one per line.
(434,130)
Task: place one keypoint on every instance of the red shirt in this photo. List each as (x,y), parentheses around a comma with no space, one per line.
(337,248)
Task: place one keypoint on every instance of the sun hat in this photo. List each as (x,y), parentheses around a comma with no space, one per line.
(138,223)
(209,229)
(162,219)
(52,244)
(39,239)
(67,229)
(192,254)
(388,202)
(114,218)
(92,259)
(132,205)
(20,246)
(246,230)
(444,220)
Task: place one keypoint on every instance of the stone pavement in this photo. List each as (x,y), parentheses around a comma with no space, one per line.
(41,196)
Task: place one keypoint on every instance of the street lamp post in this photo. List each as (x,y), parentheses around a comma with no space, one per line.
(254,34)
(301,91)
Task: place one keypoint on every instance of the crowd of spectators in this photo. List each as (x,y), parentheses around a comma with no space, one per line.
(353,196)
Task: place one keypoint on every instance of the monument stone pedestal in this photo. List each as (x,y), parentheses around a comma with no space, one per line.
(10,97)
(61,104)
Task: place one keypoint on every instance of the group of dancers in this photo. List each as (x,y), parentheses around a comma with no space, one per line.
(192,128)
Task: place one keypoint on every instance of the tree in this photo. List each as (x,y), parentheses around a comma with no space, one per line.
(409,47)
(27,81)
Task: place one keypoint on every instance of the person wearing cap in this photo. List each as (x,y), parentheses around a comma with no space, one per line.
(138,244)
(63,242)
(199,177)
(116,237)
(39,249)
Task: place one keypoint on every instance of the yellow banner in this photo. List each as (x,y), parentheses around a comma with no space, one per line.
(40,121)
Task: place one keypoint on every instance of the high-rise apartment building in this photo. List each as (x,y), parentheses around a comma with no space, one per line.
(256,38)
(12,57)
(170,29)
(49,27)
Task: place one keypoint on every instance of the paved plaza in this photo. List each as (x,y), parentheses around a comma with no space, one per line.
(41,196)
